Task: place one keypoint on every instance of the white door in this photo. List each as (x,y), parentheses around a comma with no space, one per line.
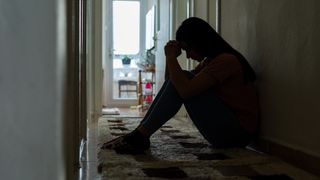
(170,13)
(122,42)
(162,37)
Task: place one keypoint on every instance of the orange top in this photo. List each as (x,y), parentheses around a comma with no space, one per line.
(230,86)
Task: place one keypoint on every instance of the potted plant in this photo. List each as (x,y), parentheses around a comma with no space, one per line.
(126,60)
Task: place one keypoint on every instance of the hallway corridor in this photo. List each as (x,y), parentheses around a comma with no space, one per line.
(177,151)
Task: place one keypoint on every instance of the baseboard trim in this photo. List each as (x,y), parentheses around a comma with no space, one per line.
(295,157)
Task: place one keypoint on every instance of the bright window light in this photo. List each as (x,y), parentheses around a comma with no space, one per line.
(126,27)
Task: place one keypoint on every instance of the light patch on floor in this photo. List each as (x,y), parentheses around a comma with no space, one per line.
(110,111)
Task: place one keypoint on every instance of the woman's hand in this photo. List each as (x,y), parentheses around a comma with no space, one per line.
(172,49)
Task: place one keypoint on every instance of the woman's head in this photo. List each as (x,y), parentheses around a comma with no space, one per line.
(192,52)
(197,35)
(200,40)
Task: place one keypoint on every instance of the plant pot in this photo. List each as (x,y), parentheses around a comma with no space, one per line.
(126,61)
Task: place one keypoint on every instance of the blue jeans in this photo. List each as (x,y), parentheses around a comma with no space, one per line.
(214,120)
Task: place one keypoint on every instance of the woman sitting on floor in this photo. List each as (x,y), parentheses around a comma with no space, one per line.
(219,94)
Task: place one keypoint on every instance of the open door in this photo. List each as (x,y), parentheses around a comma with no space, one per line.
(123,44)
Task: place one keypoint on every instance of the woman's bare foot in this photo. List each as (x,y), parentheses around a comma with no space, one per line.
(132,143)
(113,143)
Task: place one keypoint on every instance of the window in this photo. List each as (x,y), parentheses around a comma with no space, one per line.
(126,27)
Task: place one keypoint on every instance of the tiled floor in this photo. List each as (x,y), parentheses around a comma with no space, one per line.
(89,160)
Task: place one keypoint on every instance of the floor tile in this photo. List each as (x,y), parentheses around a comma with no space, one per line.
(211,156)
(169,130)
(271,177)
(237,171)
(181,136)
(170,172)
(193,145)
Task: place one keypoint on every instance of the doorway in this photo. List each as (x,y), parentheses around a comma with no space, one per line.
(123,49)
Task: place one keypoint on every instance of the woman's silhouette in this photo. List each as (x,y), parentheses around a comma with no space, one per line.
(219,94)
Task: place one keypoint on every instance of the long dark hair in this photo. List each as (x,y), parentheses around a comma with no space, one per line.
(200,36)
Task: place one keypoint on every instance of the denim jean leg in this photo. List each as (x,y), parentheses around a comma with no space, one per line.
(215,121)
(166,104)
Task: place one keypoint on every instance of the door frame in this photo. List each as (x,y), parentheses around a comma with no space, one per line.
(75,113)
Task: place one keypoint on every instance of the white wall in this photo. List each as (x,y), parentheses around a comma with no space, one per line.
(162,39)
(201,9)
(281,40)
(31,74)
(96,89)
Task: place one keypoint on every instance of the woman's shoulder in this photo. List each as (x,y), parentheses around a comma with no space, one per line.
(224,58)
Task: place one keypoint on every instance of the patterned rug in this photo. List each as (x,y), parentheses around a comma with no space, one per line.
(178,151)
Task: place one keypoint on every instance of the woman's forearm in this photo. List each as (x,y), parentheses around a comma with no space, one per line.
(177,76)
